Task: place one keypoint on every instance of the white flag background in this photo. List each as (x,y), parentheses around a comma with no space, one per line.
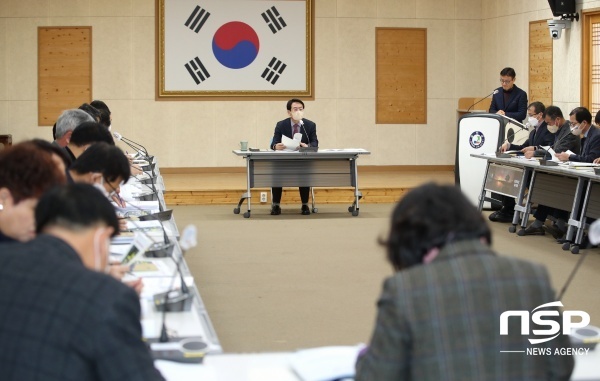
(281,28)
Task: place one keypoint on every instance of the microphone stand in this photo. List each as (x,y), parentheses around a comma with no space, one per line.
(186,350)
(545,160)
(309,148)
(521,128)
(473,105)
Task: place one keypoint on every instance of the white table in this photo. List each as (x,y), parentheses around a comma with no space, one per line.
(326,167)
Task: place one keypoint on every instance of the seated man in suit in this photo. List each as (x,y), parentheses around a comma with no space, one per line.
(510,100)
(439,315)
(564,141)
(295,124)
(62,318)
(103,165)
(581,125)
(539,136)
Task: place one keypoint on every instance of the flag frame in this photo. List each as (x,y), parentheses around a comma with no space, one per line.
(305,90)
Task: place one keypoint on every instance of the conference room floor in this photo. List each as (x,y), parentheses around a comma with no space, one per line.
(279,283)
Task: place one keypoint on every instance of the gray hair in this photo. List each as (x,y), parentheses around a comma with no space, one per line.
(69,119)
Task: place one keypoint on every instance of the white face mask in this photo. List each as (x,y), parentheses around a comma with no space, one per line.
(101,250)
(298,115)
(533,122)
(577,131)
(100,186)
(552,129)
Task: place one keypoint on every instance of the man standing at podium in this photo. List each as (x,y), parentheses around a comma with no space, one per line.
(509,101)
(295,124)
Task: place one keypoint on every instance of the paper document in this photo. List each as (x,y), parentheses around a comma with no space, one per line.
(290,144)
(575,164)
(552,153)
(514,152)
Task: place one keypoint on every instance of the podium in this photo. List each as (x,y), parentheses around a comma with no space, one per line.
(479,134)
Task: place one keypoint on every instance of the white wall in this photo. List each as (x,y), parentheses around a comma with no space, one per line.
(203,133)
(505,41)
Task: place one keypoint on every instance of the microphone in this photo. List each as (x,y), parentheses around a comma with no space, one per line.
(310,148)
(509,137)
(545,161)
(180,299)
(134,145)
(188,349)
(492,93)
(157,249)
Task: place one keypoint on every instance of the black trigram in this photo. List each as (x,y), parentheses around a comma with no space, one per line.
(273,70)
(197,70)
(274,20)
(197,19)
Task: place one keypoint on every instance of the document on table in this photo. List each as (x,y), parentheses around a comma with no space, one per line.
(290,144)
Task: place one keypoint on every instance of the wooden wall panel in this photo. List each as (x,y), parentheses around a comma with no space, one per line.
(540,63)
(64,70)
(401,75)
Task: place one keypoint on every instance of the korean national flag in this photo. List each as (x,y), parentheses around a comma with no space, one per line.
(235,45)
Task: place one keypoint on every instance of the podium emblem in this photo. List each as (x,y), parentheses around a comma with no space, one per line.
(476,139)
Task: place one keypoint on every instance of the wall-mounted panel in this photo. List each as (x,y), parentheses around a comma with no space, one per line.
(401,75)
(64,70)
(540,63)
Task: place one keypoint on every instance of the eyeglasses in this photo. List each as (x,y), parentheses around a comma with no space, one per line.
(506,82)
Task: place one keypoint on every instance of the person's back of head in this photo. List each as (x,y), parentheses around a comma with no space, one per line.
(89,133)
(26,172)
(91,110)
(69,120)
(75,207)
(105,113)
(59,155)
(428,217)
(103,158)
(82,217)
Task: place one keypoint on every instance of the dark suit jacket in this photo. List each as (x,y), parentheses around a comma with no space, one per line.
(537,137)
(515,108)
(563,141)
(61,321)
(284,127)
(590,147)
(440,321)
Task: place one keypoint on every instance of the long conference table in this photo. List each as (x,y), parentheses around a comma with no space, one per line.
(323,168)
(572,187)
(219,366)
(164,276)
